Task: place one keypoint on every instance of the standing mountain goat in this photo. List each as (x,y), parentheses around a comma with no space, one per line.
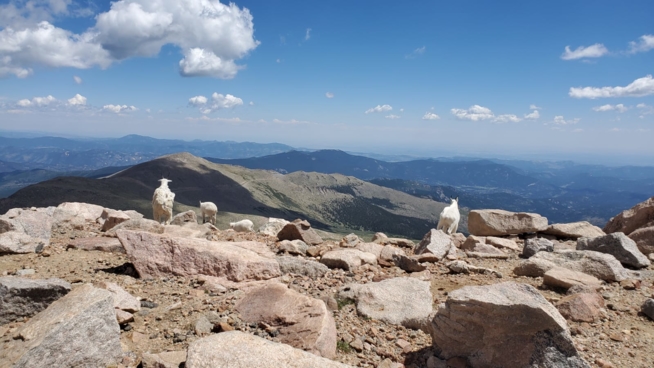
(209,209)
(242,226)
(162,202)
(449,220)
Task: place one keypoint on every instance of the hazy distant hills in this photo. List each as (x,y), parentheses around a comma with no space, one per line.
(332,202)
(563,192)
(24,161)
(62,154)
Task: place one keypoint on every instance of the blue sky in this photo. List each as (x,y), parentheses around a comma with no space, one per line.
(555,78)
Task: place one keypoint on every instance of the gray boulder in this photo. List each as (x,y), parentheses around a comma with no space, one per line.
(78,330)
(21,297)
(532,333)
(644,239)
(618,245)
(25,231)
(601,265)
(184,217)
(300,266)
(402,301)
(437,243)
(535,245)
(648,308)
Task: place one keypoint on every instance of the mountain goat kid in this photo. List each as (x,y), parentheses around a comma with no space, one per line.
(242,226)
(162,202)
(208,209)
(449,220)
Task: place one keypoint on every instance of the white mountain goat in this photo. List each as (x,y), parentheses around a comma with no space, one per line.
(208,209)
(162,202)
(449,220)
(242,226)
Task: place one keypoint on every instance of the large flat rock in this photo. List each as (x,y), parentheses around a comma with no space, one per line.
(347,259)
(565,278)
(301,266)
(20,297)
(303,322)
(618,245)
(500,222)
(532,333)
(402,301)
(78,330)
(156,255)
(601,265)
(574,230)
(236,349)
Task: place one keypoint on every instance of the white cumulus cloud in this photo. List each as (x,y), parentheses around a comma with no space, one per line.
(559,120)
(640,87)
(534,107)
(218,102)
(644,43)
(533,115)
(609,107)
(507,118)
(379,108)
(593,51)
(329,95)
(430,116)
(211,35)
(77,100)
(197,101)
(118,108)
(474,113)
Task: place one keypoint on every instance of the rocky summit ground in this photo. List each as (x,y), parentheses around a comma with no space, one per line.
(174,308)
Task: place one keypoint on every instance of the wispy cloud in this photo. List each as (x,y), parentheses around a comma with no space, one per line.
(417,52)
(581,52)
(391,116)
(609,107)
(307,35)
(77,79)
(534,107)
(640,87)
(559,120)
(329,95)
(379,108)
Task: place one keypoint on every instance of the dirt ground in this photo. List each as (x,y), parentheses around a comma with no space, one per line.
(623,337)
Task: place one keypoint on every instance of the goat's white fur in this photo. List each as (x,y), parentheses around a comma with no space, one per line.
(242,226)
(162,202)
(449,219)
(208,209)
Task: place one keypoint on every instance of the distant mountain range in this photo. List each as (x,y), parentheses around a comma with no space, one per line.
(563,192)
(331,202)
(62,154)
